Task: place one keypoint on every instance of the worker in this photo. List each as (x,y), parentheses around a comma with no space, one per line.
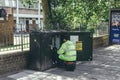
(66,52)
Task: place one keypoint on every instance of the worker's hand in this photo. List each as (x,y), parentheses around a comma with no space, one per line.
(51,47)
(55,49)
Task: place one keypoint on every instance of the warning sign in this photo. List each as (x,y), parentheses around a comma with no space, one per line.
(79,46)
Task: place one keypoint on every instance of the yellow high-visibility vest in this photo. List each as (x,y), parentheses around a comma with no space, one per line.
(67,51)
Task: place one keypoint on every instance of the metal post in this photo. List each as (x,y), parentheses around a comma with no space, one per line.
(21,38)
(2,3)
(39,14)
(17,13)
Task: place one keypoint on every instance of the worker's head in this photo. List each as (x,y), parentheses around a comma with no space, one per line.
(65,38)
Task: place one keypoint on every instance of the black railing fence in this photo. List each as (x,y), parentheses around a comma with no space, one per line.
(18,39)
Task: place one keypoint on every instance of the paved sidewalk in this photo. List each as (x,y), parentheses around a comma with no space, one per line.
(105,66)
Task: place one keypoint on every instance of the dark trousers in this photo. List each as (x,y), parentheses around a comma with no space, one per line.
(55,58)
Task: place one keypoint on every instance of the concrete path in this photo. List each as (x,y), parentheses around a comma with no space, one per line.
(105,66)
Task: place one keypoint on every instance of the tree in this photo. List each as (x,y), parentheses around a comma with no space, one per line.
(71,14)
(47,14)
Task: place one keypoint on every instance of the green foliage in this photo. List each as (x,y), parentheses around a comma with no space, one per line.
(28,2)
(83,14)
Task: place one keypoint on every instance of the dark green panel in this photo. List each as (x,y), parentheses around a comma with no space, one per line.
(86,53)
(34,56)
(40,48)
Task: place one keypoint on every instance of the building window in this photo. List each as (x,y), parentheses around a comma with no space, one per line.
(20,5)
(6,2)
(35,6)
(14,3)
(10,3)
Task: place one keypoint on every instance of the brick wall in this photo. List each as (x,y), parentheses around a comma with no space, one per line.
(13,61)
(101,41)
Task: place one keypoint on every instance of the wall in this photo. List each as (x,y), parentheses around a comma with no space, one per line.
(101,41)
(16,61)
(13,61)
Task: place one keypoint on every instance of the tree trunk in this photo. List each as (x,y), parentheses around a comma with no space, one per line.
(46,14)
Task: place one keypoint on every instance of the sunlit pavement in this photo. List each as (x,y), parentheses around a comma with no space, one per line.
(105,66)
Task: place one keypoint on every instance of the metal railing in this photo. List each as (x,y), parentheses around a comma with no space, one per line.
(18,40)
(102,29)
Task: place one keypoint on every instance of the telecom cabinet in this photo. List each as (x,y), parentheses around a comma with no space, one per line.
(41,44)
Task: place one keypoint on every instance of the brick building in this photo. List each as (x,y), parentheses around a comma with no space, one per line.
(24,16)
